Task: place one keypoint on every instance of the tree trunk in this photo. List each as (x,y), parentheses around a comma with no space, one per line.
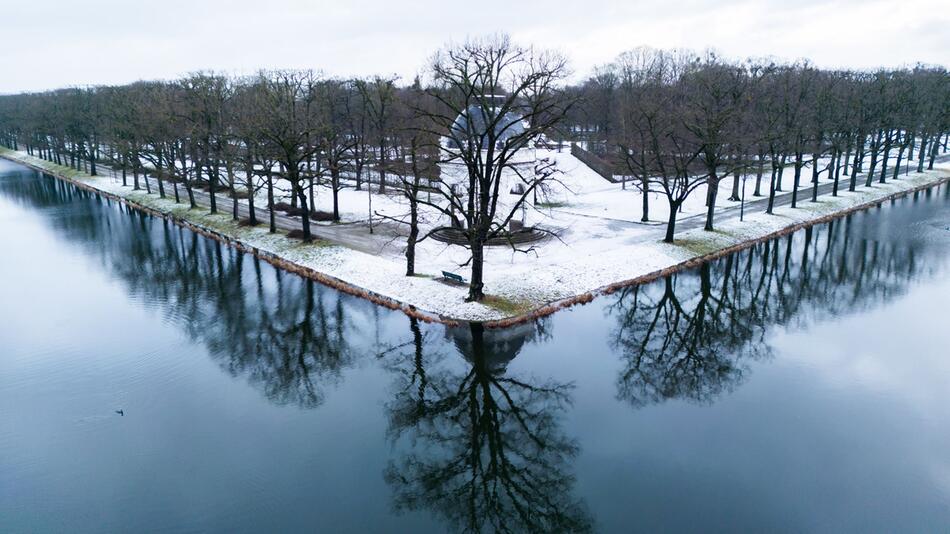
(797,180)
(335,186)
(771,204)
(159,173)
(413,198)
(713,190)
(900,157)
(933,154)
(922,154)
(307,236)
(313,205)
(233,190)
(212,183)
(834,188)
(382,165)
(413,236)
(186,180)
(859,152)
(671,222)
(148,185)
(874,146)
(93,148)
(646,199)
(358,167)
(249,183)
(887,153)
(475,290)
(735,187)
(270,203)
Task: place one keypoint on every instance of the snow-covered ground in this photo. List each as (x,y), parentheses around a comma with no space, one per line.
(601,241)
(577,191)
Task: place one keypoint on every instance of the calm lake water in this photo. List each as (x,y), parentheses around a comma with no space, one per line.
(802,385)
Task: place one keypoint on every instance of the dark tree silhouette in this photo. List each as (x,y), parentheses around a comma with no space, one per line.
(485,451)
(691,336)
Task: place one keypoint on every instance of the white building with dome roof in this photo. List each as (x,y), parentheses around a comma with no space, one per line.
(472,125)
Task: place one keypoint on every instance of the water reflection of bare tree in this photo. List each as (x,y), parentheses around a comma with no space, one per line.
(690,336)
(484,450)
(290,337)
(300,345)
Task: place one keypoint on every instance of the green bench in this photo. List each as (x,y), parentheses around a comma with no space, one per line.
(453,277)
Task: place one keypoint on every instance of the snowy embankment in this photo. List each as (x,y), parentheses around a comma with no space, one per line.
(594,253)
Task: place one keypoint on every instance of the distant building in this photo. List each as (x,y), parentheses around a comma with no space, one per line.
(471,125)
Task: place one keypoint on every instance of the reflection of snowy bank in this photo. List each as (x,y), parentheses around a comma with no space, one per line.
(591,252)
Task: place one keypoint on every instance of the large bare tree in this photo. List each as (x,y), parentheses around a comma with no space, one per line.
(494,98)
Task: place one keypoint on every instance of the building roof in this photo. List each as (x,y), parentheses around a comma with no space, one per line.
(474,121)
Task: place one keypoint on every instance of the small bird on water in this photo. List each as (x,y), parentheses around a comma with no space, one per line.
(120,412)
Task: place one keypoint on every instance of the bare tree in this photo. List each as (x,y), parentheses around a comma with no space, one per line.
(494,99)
(415,165)
(289,128)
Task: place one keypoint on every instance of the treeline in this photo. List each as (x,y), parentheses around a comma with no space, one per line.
(674,121)
(240,135)
(219,133)
(668,121)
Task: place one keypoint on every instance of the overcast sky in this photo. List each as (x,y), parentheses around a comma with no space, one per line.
(48,44)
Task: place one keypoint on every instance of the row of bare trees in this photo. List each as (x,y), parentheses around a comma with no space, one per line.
(210,135)
(676,121)
(214,132)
